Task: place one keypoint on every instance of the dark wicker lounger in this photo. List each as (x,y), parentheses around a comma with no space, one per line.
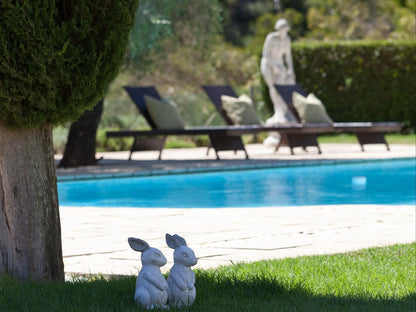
(304,135)
(292,134)
(366,132)
(155,139)
(222,137)
(226,130)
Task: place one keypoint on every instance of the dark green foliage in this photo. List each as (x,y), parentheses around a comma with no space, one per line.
(164,26)
(57,57)
(298,5)
(239,15)
(360,81)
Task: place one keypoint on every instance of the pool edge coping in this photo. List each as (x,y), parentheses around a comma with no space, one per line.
(191,170)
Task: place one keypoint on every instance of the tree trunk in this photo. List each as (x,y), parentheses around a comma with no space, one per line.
(80,147)
(30,230)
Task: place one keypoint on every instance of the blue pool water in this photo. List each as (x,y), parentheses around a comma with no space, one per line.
(381,182)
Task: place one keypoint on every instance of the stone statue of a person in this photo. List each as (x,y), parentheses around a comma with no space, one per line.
(277,68)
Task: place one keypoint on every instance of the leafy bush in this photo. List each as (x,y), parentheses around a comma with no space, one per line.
(357,19)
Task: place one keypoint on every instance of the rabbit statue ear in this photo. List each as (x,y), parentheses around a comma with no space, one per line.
(170,241)
(175,241)
(138,244)
(180,240)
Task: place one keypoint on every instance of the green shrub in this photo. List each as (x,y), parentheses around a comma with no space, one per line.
(112,144)
(360,81)
(179,142)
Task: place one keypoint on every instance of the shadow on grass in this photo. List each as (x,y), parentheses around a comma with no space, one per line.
(214,293)
(260,294)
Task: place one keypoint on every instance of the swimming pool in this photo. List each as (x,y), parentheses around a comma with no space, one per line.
(378,182)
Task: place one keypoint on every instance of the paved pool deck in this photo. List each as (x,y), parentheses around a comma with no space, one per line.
(95,239)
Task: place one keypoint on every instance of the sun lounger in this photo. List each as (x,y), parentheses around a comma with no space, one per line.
(292,134)
(366,132)
(154,139)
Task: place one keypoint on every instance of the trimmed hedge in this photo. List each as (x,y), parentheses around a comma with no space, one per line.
(360,80)
(57,57)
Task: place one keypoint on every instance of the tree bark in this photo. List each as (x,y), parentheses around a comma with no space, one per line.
(30,230)
(80,147)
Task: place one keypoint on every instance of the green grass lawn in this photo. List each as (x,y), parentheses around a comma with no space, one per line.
(349,138)
(377,279)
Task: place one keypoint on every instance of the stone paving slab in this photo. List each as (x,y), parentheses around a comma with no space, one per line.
(95,239)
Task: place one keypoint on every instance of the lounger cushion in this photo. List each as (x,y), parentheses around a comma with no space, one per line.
(310,109)
(164,113)
(240,110)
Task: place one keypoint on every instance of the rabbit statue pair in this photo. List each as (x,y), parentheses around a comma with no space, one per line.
(152,290)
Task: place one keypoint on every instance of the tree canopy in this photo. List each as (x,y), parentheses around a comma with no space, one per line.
(56,60)
(57,57)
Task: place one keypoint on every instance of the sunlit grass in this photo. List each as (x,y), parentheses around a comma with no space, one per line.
(349,138)
(377,279)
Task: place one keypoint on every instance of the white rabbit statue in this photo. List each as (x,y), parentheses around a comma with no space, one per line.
(151,286)
(181,280)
